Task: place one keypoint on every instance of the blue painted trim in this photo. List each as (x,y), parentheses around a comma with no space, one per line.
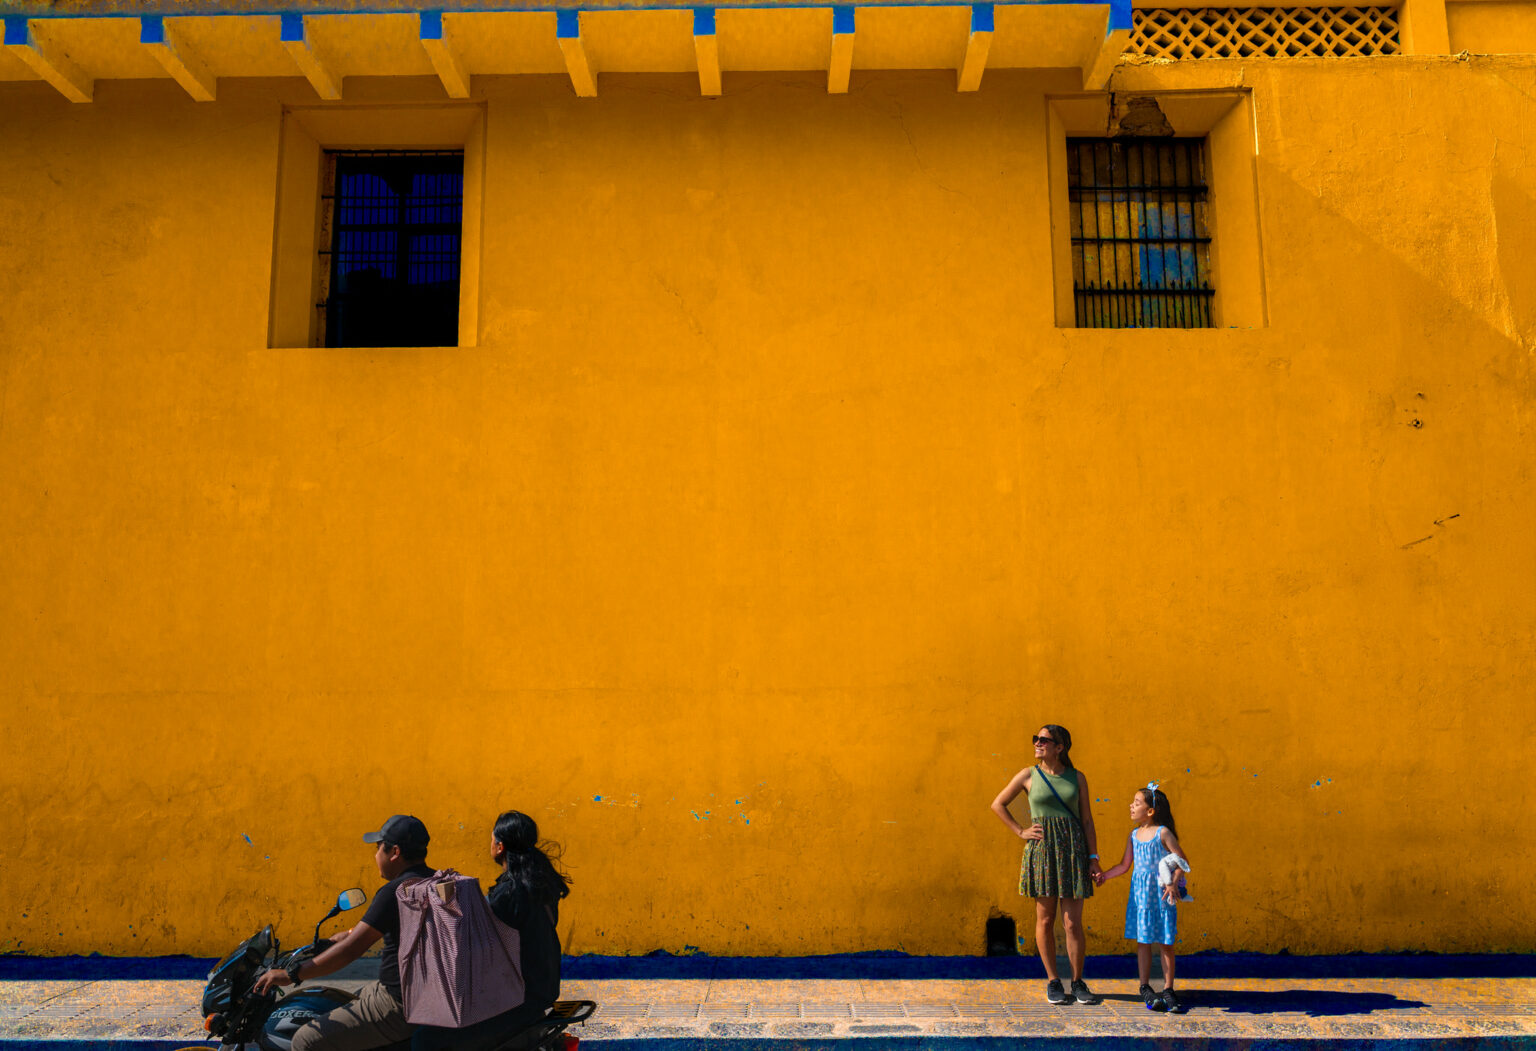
(431,25)
(842,19)
(982,18)
(152,29)
(703,21)
(659,965)
(534,7)
(293,26)
(568,25)
(1119,14)
(16,31)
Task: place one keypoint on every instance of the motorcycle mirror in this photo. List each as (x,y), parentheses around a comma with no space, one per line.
(350,899)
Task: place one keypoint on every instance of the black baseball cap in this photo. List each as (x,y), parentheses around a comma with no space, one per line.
(406,832)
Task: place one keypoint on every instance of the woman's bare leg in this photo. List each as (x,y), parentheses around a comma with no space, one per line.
(1168,958)
(1077,938)
(1144,962)
(1045,935)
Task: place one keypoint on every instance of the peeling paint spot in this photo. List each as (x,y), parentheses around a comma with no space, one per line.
(248,840)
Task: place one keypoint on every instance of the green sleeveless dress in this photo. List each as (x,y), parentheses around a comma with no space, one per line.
(1056,866)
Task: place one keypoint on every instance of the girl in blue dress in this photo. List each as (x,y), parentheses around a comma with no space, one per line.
(1150,915)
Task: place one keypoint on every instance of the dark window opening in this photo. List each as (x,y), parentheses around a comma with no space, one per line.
(1141,250)
(390,273)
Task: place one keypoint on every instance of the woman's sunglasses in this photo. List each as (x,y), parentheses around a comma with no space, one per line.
(1044,740)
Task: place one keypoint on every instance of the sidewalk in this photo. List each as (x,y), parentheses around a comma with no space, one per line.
(677,1013)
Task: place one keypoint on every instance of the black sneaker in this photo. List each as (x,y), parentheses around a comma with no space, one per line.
(1081,994)
(1171,1002)
(1053,992)
(1151,999)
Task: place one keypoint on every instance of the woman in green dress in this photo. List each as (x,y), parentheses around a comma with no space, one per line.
(1061,854)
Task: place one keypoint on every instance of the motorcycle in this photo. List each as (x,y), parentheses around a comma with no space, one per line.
(240,1018)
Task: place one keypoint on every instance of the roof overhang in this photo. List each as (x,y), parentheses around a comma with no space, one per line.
(74,44)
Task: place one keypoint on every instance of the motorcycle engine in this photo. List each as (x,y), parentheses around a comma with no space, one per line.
(295,1011)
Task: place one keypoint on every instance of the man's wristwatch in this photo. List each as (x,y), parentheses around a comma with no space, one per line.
(293,972)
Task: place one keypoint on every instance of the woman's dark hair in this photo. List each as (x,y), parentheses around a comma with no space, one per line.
(528,861)
(1060,735)
(1162,810)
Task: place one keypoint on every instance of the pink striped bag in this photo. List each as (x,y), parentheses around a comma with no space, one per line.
(458,964)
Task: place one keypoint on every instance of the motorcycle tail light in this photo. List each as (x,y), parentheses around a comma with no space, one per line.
(568,1042)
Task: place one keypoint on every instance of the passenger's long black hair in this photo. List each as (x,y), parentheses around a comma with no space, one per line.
(528,861)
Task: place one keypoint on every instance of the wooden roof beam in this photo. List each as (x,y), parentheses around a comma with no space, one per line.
(447,61)
(841,65)
(568,35)
(1101,58)
(166,44)
(977,47)
(707,50)
(320,76)
(47,60)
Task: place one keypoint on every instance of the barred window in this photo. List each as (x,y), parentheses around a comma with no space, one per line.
(390,273)
(1140,245)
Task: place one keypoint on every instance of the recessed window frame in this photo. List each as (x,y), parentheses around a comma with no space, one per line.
(1225,119)
(301,223)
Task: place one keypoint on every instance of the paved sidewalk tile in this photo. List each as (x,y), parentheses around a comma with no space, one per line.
(727,1010)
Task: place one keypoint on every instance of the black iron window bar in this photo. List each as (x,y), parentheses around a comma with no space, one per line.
(392,260)
(1140,243)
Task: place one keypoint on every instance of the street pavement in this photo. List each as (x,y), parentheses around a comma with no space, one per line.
(1442,1013)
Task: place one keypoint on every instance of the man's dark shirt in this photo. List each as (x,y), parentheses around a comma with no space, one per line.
(540,942)
(383,915)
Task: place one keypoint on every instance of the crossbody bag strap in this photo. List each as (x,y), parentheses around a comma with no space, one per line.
(1046,778)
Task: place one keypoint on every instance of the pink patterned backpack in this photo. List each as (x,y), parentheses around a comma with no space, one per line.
(459,964)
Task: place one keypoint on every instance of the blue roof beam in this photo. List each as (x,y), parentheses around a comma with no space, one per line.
(446,60)
(162,40)
(1100,61)
(568,35)
(321,76)
(47,60)
(840,67)
(977,46)
(707,50)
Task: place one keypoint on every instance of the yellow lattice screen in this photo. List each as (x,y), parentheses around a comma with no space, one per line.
(1274,32)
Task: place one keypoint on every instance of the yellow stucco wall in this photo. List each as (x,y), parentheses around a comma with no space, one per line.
(772,509)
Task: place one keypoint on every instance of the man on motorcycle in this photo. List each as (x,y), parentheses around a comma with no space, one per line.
(376,1018)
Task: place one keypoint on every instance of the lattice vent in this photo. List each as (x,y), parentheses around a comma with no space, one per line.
(1270,32)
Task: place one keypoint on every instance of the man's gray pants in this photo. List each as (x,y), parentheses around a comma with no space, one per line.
(375,1019)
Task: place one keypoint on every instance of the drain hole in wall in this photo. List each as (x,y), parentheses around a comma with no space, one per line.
(1002,936)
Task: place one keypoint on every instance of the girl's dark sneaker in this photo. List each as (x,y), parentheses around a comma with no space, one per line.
(1151,999)
(1081,994)
(1053,991)
(1171,1002)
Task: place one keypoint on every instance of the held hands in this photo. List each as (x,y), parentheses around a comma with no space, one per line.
(273,979)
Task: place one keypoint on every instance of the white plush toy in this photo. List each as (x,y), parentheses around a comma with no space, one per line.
(1167,872)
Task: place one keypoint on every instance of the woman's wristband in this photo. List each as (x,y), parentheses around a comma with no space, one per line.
(1093,857)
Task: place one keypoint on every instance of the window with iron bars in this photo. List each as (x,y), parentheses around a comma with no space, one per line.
(1141,250)
(390,257)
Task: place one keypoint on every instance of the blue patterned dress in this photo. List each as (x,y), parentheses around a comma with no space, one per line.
(1149,919)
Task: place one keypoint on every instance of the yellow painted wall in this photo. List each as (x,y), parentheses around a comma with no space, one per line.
(772,509)
(1492,26)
